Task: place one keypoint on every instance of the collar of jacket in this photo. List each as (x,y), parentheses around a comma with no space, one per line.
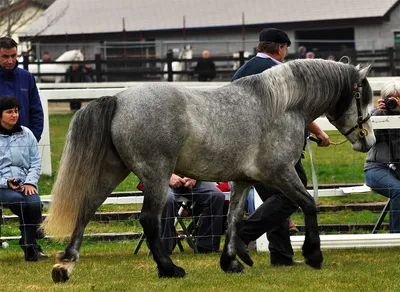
(16,129)
(9,74)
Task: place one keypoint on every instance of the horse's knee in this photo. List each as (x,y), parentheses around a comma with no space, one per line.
(310,208)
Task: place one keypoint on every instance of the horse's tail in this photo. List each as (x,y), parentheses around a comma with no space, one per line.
(81,165)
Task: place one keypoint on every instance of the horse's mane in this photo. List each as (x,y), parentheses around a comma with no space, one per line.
(297,83)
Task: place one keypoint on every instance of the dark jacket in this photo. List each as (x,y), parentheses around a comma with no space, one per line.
(80,75)
(205,68)
(387,147)
(21,84)
(254,66)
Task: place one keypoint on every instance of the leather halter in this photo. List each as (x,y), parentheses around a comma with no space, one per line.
(362,132)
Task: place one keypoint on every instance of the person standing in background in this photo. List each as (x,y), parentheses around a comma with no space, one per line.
(20,83)
(205,68)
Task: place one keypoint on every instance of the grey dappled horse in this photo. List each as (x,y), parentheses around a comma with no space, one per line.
(251,130)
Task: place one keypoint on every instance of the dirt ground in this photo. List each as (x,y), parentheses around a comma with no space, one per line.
(61,107)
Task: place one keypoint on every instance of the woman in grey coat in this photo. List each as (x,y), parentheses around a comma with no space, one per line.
(19,174)
(382,167)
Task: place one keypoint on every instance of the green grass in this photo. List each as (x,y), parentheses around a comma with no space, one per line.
(336,164)
(105,266)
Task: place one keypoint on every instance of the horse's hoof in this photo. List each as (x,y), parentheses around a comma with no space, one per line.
(234,267)
(177,272)
(314,263)
(315,260)
(59,274)
(243,253)
(229,265)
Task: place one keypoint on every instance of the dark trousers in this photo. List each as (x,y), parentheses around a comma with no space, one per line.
(209,207)
(29,211)
(272,217)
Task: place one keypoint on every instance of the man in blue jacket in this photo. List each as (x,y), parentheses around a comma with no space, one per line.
(18,82)
(272,216)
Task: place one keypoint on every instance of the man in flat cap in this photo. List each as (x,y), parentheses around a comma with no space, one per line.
(273,215)
(271,49)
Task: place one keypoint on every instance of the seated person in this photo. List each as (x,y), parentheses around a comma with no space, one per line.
(382,166)
(210,202)
(19,174)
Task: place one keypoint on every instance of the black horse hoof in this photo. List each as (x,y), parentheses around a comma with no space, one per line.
(177,272)
(229,265)
(316,264)
(243,253)
(314,260)
(59,274)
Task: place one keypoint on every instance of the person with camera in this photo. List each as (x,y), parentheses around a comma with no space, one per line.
(19,174)
(382,166)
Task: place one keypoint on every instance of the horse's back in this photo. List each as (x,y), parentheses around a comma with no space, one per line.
(205,130)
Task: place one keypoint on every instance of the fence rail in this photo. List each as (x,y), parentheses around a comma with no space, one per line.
(135,68)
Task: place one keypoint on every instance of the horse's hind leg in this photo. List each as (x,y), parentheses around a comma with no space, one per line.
(228,261)
(113,174)
(155,193)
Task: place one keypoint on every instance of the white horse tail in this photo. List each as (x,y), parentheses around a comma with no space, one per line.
(81,166)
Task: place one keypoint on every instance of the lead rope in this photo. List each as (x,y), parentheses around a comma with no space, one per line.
(313,172)
(318,141)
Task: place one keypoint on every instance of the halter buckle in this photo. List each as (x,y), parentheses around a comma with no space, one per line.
(362,133)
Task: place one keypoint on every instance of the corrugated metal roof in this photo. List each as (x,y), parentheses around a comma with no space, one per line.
(95,16)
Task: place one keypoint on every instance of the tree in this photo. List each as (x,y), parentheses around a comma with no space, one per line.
(15,15)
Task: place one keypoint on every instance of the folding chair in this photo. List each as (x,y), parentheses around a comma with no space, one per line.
(185,208)
(381,217)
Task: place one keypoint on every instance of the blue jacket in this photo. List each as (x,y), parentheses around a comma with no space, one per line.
(19,158)
(254,66)
(21,84)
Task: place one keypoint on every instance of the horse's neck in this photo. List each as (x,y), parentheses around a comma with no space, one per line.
(67,56)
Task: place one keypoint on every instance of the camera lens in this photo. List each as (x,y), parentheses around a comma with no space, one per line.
(390,104)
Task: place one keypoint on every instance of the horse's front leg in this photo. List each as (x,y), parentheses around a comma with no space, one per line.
(312,243)
(292,187)
(228,261)
(150,218)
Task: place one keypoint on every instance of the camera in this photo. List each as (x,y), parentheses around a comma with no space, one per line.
(17,183)
(390,104)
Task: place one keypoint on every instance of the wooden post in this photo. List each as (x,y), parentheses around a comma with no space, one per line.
(392,62)
(169,65)
(25,61)
(241,58)
(97,60)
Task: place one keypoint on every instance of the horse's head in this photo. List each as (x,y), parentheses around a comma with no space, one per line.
(186,52)
(78,55)
(353,119)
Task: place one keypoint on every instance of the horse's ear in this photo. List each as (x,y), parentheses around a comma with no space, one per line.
(364,71)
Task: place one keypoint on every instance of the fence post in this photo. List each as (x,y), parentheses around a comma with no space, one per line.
(392,64)
(169,65)
(25,61)
(97,61)
(241,58)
